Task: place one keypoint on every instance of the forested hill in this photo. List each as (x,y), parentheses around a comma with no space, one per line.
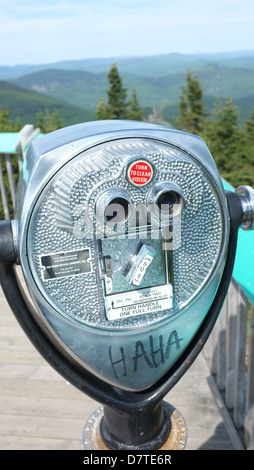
(157,80)
(208,95)
(25,104)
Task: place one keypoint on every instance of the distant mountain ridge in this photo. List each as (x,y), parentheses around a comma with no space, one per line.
(156,65)
(84,89)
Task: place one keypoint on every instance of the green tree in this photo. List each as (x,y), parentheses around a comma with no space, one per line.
(117,95)
(117,106)
(102,111)
(135,112)
(191,106)
(249,123)
(6,124)
(228,144)
(220,130)
(49,121)
(248,151)
(231,145)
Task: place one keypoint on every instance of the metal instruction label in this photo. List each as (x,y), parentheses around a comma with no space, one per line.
(65,264)
(139,302)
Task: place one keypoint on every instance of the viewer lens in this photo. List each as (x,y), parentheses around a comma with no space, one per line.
(167,200)
(117,209)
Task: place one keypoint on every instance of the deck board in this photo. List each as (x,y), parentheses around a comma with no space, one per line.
(39,409)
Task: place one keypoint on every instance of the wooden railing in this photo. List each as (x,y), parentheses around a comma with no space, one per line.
(230,355)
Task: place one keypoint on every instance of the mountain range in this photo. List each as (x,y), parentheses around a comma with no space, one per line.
(75,87)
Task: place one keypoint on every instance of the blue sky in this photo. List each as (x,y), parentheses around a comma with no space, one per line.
(48,31)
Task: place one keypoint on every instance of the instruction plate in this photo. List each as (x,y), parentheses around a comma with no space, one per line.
(65,264)
(139,302)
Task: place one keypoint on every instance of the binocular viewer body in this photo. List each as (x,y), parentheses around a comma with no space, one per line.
(122,232)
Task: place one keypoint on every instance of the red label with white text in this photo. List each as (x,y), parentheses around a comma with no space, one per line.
(140,172)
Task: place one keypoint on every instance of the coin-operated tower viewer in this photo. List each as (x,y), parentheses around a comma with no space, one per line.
(126,240)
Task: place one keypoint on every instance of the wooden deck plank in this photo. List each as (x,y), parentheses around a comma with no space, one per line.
(26,443)
(39,409)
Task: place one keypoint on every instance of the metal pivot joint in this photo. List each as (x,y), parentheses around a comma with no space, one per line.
(241,207)
(246,196)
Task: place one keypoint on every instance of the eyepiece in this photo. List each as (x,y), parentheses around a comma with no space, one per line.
(167,200)
(114,206)
(117,210)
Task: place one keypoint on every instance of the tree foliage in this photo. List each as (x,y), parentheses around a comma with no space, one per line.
(102,111)
(249,123)
(6,124)
(135,113)
(231,146)
(49,121)
(117,106)
(191,106)
(117,95)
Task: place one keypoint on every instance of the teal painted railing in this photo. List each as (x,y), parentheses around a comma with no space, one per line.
(12,143)
(244,262)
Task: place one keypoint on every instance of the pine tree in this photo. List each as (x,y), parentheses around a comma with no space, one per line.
(191,106)
(49,121)
(135,112)
(220,130)
(117,95)
(228,144)
(249,123)
(102,111)
(6,124)
(117,106)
